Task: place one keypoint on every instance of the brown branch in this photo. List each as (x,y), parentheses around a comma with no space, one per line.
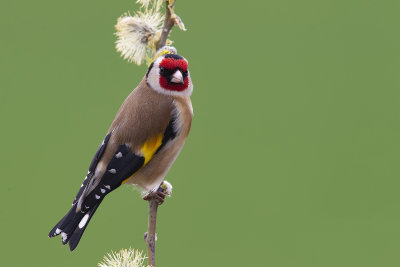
(155,199)
(169,22)
(151,232)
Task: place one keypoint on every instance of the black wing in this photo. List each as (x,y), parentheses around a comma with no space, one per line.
(123,165)
(92,167)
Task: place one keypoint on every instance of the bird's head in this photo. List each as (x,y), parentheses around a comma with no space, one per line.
(169,75)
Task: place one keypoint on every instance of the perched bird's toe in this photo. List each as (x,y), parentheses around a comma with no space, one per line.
(155,196)
(159,196)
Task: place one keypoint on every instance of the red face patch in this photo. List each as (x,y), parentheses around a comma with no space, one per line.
(167,67)
(171,64)
(164,83)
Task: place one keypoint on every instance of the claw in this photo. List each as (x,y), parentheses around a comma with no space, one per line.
(164,190)
(158,196)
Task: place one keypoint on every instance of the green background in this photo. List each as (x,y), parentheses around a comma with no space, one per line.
(293,158)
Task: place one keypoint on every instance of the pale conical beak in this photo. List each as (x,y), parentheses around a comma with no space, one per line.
(177,77)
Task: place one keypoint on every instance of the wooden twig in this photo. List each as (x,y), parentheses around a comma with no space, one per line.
(151,232)
(155,199)
(169,22)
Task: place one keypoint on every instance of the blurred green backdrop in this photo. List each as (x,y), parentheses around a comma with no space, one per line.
(293,158)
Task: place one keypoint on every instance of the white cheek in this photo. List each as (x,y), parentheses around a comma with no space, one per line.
(153,78)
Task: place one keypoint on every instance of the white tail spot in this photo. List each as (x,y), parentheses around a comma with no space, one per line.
(83,222)
(107,186)
(102,190)
(96,196)
(118,155)
(64,236)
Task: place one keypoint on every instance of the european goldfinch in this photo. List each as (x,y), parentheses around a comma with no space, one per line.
(142,143)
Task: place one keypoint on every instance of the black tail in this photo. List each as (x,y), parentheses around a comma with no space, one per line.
(73,225)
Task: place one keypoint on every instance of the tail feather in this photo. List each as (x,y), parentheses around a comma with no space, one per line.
(56,229)
(77,234)
(89,196)
(72,226)
(64,223)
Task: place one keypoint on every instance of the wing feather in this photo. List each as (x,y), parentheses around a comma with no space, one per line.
(97,156)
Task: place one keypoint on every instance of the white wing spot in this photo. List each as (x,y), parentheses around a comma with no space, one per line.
(83,222)
(112,171)
(86,177)
(107,186)
(58,231)
(96,196)
(118,155)
(102,190)
(87,207)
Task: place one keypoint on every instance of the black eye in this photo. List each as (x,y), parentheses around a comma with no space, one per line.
(185,73)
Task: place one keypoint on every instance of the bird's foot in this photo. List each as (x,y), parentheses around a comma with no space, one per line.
(164,190)
(159,196)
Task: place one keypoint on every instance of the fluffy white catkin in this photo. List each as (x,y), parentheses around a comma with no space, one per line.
(134,34)
(124,258)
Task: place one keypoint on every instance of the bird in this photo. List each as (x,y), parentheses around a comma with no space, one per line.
(140,146)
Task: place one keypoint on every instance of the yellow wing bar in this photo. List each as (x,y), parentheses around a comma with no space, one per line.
(150,147)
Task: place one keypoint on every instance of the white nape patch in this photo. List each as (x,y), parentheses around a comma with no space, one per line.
(102,190)
(107,186)
(83,222)
(58,231)
(96,196)
(112,171)
(118,155)
(64,236)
